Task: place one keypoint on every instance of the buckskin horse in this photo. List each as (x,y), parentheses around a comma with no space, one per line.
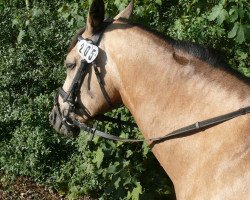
(166,85)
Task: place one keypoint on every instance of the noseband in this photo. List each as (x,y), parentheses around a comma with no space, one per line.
(70,97)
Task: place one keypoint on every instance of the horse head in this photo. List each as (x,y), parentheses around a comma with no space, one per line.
(89,88)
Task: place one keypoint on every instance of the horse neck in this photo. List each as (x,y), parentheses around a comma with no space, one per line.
(164,92)
(154,79)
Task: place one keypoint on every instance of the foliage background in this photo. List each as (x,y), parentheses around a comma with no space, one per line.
(34,35)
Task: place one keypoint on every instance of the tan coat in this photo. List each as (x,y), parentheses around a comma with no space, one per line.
(166,88)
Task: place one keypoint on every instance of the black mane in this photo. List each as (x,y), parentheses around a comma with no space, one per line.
(204,53)
(207,54)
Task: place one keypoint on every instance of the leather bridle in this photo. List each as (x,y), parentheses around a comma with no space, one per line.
(70,97)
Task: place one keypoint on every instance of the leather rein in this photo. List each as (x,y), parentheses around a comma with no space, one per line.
(71,96)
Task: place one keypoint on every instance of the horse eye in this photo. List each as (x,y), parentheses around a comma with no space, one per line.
(70,65)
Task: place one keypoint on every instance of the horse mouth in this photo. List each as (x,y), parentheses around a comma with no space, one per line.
(64,127)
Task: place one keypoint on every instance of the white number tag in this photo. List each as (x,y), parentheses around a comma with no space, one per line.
(87,51)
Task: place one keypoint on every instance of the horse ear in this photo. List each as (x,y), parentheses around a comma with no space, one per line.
(127,12)
(95,16)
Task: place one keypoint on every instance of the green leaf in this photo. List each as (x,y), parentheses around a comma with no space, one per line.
(15,22)
(37,12)
(242,55)
(98,157)
(129,153)
(159,2)
(146,149)
(27,22)
(215,12)
(222,16)
(117,182)
(247,32)
(136,192)
(233,32)
(233,12)
(240,38)
(20,36)
(1,5)
(248,15)
(234,17)
(241,12)
(246,71)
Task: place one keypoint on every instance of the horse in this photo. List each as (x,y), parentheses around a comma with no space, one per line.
(165,84)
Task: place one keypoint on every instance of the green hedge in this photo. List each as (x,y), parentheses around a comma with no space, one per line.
(33,41)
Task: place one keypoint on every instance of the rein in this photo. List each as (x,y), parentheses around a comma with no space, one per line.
(193,128)
(71,95)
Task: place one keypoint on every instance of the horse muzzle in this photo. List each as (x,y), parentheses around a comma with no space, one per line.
(62,125)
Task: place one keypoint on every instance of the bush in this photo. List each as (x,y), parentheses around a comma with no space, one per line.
(31,69)
(34,37)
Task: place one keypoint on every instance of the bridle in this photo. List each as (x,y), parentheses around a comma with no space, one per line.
(70,97)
